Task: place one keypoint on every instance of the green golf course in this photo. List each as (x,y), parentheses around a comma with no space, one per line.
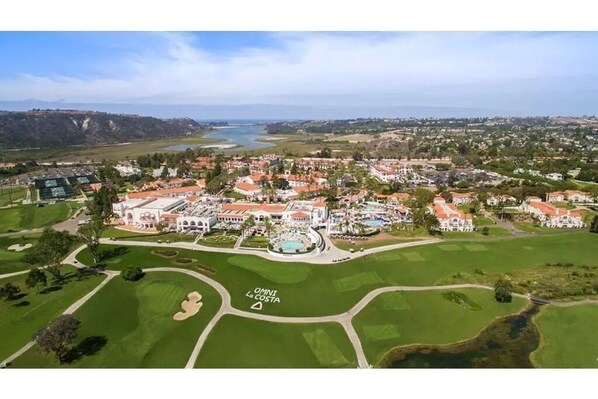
(130,324)
(318,290)
(26,217)
(428,317)
(11,260)
(14,193)
(23,317)
(568,337)
(265,344)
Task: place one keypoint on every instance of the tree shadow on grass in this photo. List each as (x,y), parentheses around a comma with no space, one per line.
(112,253)
(50,289)
(88,347)
(22,304)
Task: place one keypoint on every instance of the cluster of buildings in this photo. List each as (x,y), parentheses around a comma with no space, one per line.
(551,216)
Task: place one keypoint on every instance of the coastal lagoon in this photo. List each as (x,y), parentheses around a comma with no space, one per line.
(239,137)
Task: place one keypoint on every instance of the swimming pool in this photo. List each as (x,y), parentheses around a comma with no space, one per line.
(292,246)
(373,222)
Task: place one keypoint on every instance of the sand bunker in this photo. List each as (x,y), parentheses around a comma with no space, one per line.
(19,247)
(190,306)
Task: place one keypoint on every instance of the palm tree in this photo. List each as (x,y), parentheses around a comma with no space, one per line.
(268,225)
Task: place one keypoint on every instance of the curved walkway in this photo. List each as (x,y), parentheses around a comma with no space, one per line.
(344,319)
(325,257)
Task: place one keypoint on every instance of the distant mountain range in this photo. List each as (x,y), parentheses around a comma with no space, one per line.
(62,128)
(264,111)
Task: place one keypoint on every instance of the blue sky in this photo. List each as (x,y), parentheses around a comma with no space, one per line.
(517,73)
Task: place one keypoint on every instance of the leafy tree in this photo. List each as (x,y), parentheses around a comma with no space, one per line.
(594,225)
(421,198)
(294,169)
(57,336)
(485,230)
(503,290)
(164,173)
(280,183)
(90,233)
(358,156)
(101,205)
(35,278)
(51,249)
(9,291)
(132,273)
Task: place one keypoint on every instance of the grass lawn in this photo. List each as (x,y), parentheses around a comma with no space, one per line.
(379,240)
(25,217)
(482,221)
(23,317)
(533,228)
(266,344)
(568,337)
(405,318)
(493,231)
(17,193)
(256,242)
(10,261)
(119,234)
(134,320)
(310,290)
(219,239)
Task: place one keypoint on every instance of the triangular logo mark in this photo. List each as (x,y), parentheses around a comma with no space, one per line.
(257,306)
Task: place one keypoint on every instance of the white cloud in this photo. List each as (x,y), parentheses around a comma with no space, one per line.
(173,68)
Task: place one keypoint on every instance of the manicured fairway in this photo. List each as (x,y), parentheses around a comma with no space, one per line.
(154,237)
(10,261)
(405,318)
(17,194)
(25,217)
(568,337)
(22,318)
(313,290)
(240,342)
(135,320)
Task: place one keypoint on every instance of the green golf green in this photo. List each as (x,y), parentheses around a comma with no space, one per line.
(23,317)
(133,322)
(11,260)
(271,345)
(426,317)
(25,217)
(316,290)
(568,337)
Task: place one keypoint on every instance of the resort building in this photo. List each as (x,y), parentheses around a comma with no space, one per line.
(551,216)
(463,198)
(557,196)
(312,212)
(578,196)
(146,213)
(450,217)
(496,200)
(179,192)
(247,189)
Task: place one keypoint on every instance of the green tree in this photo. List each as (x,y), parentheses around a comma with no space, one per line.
(164,173)
(35,278)
(268,226)
(51,249)
(594,225)
(132,273)
(90,233)
(57,336)
(9,291)
(503,291)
